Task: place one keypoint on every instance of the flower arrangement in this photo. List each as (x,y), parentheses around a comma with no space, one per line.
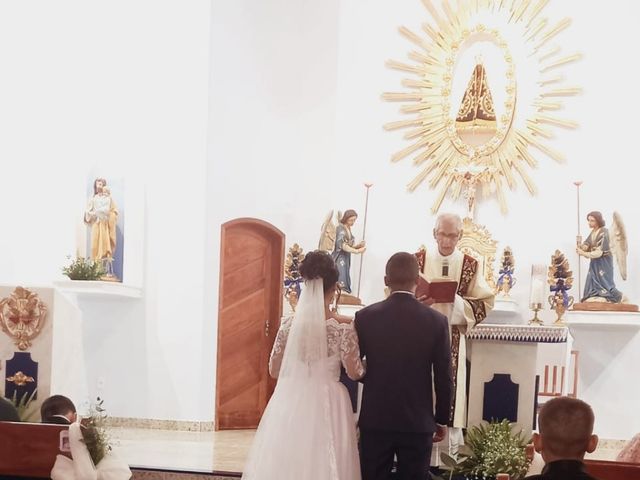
(292,277)
(490,449)
(26,406)
(506,280)
(84,269)
(94,432)
(560,280)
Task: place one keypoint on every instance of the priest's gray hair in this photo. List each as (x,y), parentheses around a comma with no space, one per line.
(450,217)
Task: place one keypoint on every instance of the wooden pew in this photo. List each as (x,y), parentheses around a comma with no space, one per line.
(29,449)
(605,470)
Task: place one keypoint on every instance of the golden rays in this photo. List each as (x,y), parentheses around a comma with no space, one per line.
(443,144)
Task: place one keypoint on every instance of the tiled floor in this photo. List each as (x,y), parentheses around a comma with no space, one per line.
(223,451)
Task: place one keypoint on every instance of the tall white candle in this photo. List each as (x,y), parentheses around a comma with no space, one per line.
(537,291)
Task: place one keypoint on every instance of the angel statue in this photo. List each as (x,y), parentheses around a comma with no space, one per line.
(328,236)
(339,240)
(600,247)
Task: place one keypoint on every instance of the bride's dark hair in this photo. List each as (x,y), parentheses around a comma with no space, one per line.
(319,264)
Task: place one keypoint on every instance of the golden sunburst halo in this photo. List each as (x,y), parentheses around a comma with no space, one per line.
(522,37)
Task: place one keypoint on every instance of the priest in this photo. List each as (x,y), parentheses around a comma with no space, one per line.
(473,300)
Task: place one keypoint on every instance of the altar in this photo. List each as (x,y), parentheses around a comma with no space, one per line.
(504,379)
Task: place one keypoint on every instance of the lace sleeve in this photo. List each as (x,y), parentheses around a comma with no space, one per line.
(275,360)
(350,352)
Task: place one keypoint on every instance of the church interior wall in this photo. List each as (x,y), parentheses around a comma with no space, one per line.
(599,152)
(269,110)
(122,87)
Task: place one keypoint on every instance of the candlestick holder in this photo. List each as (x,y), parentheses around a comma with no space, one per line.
(537,295)
(536,307)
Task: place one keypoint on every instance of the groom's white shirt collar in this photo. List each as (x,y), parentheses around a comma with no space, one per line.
(403,291)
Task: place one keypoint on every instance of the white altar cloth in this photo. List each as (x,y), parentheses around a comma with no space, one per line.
(510,353)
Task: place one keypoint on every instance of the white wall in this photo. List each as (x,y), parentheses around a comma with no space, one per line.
(261,135)
(123,86)
(291,116)
(272,115)
(600,152)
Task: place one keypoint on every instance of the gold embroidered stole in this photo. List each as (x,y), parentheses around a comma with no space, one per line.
(467,274)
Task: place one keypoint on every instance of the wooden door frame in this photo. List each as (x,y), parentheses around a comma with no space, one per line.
(278,235)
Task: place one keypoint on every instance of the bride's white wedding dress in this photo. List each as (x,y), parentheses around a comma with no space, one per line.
(308,429)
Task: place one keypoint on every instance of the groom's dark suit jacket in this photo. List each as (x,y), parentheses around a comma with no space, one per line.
(403,340)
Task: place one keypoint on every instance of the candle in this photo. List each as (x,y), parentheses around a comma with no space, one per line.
(537,291)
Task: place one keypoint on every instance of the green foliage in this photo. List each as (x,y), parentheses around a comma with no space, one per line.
(490,448)
(84,269)
(95,433)
(27,409)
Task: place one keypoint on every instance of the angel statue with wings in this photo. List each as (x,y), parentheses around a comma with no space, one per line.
(340,242)
(600,247)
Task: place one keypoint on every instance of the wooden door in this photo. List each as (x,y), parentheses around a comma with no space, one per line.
(250,305)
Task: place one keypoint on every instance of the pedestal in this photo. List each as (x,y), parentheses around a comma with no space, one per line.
(503,372)
(609,348)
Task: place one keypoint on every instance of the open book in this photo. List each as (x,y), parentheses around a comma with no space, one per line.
(443,291)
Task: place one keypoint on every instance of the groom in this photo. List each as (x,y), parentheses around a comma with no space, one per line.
(403,341)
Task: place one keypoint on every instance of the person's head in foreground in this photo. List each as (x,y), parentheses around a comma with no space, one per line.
(58,409)
(565,430)
(8,412)
(401,272)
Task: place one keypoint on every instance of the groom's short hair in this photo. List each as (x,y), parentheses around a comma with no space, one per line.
(402,269)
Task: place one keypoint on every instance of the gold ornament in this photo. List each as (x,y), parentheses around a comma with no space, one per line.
(560,280)
(506,280)
(490,131)
(292,277)
(20,379)
(477,241)
(22,316)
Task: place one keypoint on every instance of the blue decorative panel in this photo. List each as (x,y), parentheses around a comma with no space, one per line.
(21,376)
(500,399)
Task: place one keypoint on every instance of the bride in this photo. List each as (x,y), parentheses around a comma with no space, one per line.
(308,429)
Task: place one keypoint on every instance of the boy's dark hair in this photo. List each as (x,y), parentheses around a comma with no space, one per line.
(566,425)
(56,405)
(402,269)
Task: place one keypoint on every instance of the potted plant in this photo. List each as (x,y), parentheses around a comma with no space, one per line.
(490,449)
(84,269)
(26,407)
